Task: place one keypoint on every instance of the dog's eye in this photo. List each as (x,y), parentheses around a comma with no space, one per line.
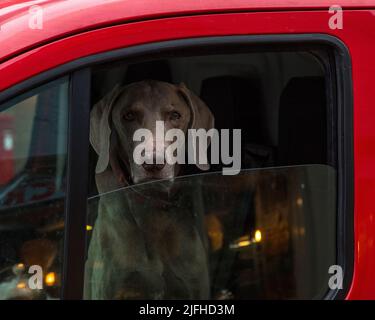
(129,116)
(174,115)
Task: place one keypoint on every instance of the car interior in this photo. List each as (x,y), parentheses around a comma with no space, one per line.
(260,93)
(279,99)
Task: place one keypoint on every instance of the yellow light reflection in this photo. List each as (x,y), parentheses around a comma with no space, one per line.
(18,268)
(88,228)
(299,202)
(21,285)
(50,279)
(243,243)
(258,236)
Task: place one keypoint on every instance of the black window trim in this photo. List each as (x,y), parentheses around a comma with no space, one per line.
(77,186)
(78,127)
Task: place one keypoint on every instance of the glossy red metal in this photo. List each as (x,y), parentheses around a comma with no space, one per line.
(66,17)
(266,17)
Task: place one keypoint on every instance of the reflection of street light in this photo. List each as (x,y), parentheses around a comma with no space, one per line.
(299,202)
(258,236)
(243,243)
(246,241)
(8,141)
(18,268)
(50,279)
(21,285)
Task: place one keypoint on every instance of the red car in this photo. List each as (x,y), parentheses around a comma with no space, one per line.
(296,221)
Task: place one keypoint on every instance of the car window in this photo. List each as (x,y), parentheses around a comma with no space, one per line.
(261,234)
(213,175)
(33,154)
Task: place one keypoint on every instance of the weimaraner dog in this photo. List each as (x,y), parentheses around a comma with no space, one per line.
(143,247)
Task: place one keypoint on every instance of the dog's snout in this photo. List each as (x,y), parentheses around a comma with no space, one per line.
(153,167)
(154,160)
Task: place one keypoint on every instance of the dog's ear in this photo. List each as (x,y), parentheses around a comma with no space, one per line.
(100,130)
(201,117)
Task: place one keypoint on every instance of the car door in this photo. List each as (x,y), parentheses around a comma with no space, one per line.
(199,36)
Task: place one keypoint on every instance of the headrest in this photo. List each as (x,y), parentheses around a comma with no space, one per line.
(236,103)
(303,122)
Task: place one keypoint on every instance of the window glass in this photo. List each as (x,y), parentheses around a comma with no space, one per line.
(261,234)
(212,176)
(33,153)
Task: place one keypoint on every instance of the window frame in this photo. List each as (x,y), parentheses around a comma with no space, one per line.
(78,142)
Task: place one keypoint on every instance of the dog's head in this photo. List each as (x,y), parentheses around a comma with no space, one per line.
(115,119)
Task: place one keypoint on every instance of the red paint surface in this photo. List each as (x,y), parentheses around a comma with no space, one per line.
(66,17)
(358,35)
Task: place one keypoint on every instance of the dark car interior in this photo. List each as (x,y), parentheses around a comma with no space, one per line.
(279,101)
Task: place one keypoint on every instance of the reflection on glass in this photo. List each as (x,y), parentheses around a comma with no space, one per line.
(262,234)
(33,139)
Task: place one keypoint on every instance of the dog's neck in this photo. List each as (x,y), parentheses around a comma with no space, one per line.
(107,181)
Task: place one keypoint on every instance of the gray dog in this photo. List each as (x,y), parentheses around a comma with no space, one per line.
(145,245)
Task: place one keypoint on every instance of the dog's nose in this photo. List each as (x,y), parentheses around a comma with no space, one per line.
(153,167)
